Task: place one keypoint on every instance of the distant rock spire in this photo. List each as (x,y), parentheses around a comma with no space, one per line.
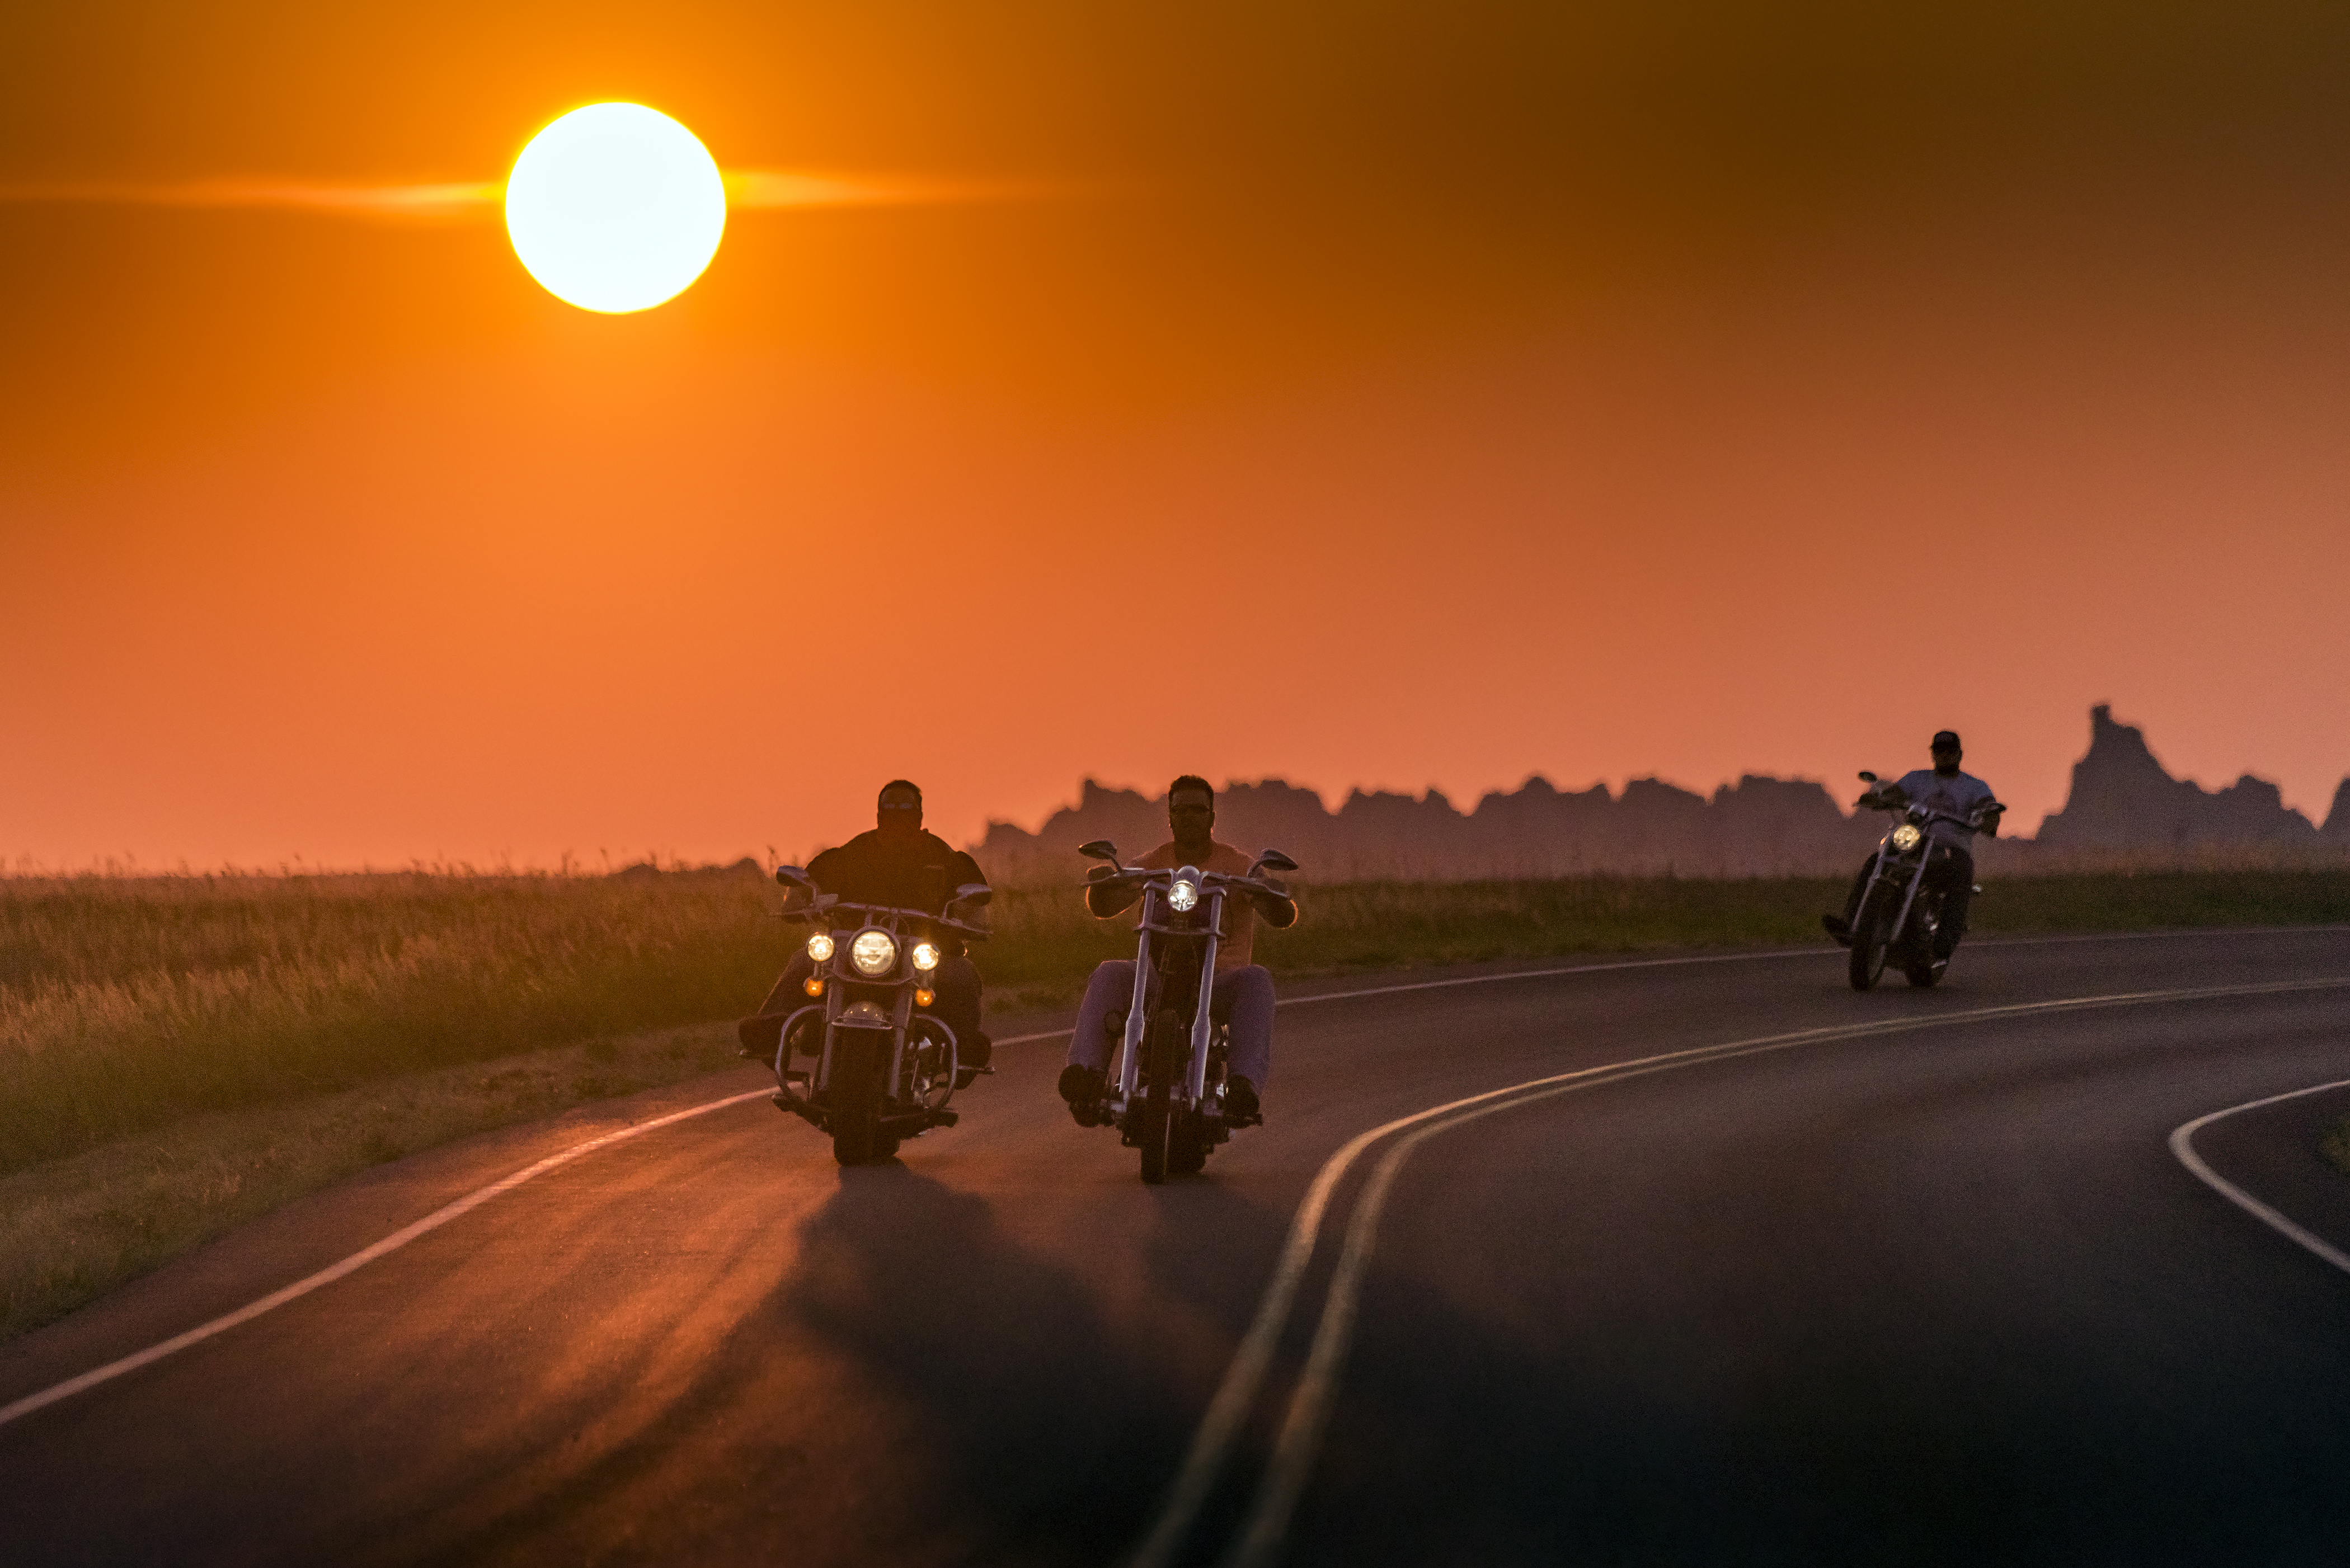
(2337,819)
(2124,800)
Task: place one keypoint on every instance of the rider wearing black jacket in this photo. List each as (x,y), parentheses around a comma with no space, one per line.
(901,867)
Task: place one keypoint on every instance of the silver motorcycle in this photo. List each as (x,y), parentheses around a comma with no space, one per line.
(882,1067)
(1166,1088)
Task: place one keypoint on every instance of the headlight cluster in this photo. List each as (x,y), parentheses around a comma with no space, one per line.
(926,957)
(873,953)
(821,947)
(1906,837)
(1183,895)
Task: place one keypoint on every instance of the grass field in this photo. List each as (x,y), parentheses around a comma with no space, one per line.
(146,1020)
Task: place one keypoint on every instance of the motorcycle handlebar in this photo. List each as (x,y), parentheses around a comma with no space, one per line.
(1131,874)
(821,909)
(1973,820)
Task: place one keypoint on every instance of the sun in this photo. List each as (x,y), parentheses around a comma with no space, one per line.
(615,207)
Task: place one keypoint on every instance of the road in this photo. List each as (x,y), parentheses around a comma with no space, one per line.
(1937,1293)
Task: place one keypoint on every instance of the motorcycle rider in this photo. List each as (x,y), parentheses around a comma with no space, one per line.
(1950,866)
(902,867)
(1242,998)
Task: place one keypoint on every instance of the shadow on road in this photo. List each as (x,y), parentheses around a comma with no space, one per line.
(1043,1427)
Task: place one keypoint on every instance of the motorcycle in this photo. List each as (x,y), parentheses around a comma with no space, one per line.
(1166,1092)
(883,1067)
(1900,911)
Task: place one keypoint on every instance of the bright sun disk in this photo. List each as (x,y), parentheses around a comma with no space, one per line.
(615,207)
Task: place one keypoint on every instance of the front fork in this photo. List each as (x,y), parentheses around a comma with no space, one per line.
(1137,1018)
(1908,895)
(1203,1023)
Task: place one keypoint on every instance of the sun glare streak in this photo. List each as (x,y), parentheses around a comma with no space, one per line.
(775,190)
(747,191)
(481,201)
(471,198)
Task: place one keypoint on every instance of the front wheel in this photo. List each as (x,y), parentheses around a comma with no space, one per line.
(856,1103)
(1157,1131)
(1872,935)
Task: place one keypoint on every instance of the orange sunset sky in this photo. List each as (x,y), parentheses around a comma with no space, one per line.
(1364,394)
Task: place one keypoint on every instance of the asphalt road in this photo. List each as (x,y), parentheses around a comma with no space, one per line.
(1925,1294)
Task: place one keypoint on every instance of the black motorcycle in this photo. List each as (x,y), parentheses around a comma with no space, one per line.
(882,1067)
(1901,909)
(1166,1086)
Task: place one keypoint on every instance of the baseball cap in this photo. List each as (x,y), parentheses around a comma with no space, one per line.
(1944,741)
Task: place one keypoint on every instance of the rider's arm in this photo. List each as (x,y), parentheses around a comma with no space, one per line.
(1107,896)
(1277,910)
(965,869)
(826,870)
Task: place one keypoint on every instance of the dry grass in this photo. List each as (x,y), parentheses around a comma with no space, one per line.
(127,1005)
(71,1229)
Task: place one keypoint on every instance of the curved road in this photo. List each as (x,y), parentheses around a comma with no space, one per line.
(1930,1290)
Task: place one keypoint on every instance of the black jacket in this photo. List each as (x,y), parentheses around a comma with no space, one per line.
(919,871)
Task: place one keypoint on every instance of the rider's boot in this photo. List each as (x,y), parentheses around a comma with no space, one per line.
(1082,1086)
(760,1034)
(1240,1107)
(972,1058)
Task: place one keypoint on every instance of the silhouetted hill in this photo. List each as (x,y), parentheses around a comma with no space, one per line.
(2123,808)
(1758,826)
(2123,801)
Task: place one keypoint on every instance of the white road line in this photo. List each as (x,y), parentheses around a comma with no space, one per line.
(1297,1446)
(2182,1144)
(1730,958)
(357,1261)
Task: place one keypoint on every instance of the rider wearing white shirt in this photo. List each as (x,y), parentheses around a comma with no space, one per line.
(1951,864)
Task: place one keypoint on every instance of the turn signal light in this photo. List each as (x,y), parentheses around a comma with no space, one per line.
(925,998)
(814,987)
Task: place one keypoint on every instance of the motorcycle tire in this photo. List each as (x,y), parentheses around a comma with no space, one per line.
(856,1108)
(1157,1131)
(1871,938)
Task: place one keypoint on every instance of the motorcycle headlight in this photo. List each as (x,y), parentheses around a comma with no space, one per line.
(873,953)
(821,947)
(926,957)
(1906,837)
(1183,896)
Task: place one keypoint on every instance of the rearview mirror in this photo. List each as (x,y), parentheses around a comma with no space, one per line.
(975,894)
(1867,777)
(793,877)
(1273,860)
(1099,850)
